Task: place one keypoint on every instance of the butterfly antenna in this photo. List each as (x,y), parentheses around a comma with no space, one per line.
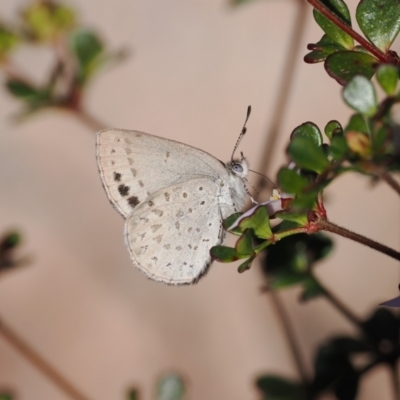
(242,133)
(265,177)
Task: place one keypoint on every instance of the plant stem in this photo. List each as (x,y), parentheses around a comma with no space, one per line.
(35,359)
(338,304)
(331,227)
(289,333)
(395,380)
(346,28)
(281,102)
(384,175)
(87,119)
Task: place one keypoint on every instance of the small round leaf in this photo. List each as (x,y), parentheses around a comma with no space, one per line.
(308,130)
(360,95)
(379,21)
(388,76)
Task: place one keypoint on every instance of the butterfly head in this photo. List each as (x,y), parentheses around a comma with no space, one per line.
(239,167)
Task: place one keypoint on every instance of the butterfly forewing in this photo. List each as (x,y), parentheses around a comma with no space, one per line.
(133,165)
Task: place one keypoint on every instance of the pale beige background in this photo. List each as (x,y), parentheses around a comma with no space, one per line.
(195,66)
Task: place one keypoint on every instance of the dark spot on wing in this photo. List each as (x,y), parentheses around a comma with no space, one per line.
(133,201)
(117,177)
(123,190)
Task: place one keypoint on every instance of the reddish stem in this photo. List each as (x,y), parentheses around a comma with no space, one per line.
(385,58)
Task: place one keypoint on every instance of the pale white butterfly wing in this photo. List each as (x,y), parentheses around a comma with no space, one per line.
(133,165)
(169,236)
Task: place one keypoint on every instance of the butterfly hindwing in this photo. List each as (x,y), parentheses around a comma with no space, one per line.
(170,235)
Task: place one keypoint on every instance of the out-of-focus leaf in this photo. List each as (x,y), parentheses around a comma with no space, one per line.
(290,181)
(290,260)
(133,394)
(88,49)
(8,41)
(357,123)
(345,65)
(171,387)
(339,8)
(382,325)
(277,388)
(359,143)
(379,21)
(46,20)
(338,148)
(360,95)
(311,289)
(388,75)
(306,154)
(333,370)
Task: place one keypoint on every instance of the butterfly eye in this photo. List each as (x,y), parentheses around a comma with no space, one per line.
(237,168)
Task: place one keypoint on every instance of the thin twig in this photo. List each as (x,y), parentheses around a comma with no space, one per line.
(35,359)
(338,304)
(395,381)
(87,119)
(285,85)
(331,227)
(290,336)
(384,175)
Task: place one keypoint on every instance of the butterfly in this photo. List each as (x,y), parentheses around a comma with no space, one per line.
(174,198)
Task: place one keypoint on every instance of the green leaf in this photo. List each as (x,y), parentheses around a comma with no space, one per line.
(299,218)
(22,90)
(277,388)
(338,148)
(344,65)
(289,261)
(171,387)
(224,254)
(334,370)
(339,8)
(311,289)
(8,41)
(228,222)
(259,222)
(133,394)
(6,396)
(306,154)
(358,123)
(333,128)
(382,325)
(360,95)
(308,130)
(379,21)
(244,245)
(246,265)
(9,241)
(321,50)
(388,75)
(45,20)
(88,49)
(290,181)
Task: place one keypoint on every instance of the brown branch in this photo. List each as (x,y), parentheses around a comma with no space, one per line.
(283,317)
(331,227)
(36,359)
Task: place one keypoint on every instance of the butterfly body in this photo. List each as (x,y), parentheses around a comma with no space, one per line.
(174,198)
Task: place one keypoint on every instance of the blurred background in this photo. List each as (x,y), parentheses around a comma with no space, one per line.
(194,67)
